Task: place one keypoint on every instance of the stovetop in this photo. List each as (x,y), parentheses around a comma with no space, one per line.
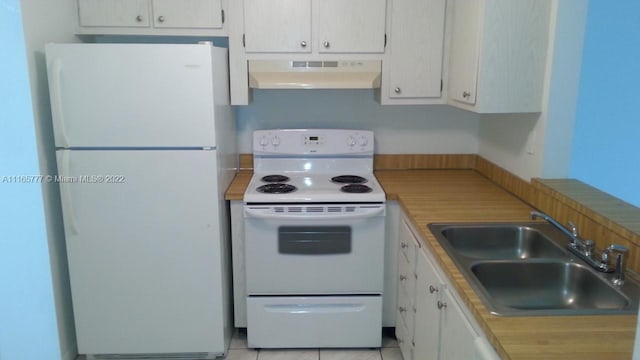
(313,188)
(322,166)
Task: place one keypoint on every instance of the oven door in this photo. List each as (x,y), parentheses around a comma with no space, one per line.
(314,249)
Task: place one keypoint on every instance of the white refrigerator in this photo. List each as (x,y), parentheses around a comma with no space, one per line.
(145,145)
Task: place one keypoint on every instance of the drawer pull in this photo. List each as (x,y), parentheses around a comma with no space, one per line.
(432,289)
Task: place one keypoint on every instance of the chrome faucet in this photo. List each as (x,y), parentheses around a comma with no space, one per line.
(580,247)
(618,277)
(585,246)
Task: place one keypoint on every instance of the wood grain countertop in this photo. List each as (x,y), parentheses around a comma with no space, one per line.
(464,195)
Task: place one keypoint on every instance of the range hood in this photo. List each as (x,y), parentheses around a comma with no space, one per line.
(287,74)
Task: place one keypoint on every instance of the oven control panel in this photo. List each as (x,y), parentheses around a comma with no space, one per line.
(313,142)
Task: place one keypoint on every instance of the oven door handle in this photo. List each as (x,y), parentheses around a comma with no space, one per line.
(361,214)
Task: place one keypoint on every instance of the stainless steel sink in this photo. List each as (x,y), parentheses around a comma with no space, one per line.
(501,242)
(553,286)
(524,269)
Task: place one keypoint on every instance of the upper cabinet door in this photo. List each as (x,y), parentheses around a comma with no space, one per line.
(351,26)
(277,26)
(465,34)
(187,14)
(114,13)
(416,48)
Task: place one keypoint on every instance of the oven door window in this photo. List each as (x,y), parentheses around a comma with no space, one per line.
(314,240)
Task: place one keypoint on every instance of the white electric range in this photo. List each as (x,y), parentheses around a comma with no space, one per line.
(314,240)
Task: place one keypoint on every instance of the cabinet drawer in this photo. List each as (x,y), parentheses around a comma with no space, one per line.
(404,342)
(408,250)
(405,313)
(407,279)
(314,321)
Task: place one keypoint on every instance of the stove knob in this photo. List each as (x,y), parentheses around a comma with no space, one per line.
(275,141)
(363,141)
(351,141)
(264,141)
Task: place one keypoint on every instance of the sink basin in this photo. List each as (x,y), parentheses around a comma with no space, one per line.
(501,242)
(523,269)
(552,285)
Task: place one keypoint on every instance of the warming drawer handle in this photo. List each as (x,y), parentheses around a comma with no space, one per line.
(314,308)
(258,213)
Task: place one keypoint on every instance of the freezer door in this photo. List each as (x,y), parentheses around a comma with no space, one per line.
(144,249)
(134,95)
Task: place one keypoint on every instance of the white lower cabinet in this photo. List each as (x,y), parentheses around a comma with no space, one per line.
(433,323)
(429,285)
(408,248)
(457,336)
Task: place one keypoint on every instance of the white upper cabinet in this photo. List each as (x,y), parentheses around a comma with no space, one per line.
(152,17)
(413,66)
(187,14)
(498,53)
(114,13)
(464,51)
(277,26)
(351,26)
(314,26)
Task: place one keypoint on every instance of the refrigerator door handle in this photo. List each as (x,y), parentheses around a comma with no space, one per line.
(56,104)
(65,194)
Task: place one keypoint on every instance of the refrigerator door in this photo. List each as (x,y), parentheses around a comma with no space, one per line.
(143,232)
(133,95)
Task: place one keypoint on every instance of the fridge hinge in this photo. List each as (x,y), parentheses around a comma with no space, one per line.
(222,13)
(244,44)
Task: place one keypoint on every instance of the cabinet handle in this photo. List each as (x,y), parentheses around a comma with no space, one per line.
(466,94)
(442,305)
(403,245)
(403,278)
(326,44)
(303,44)
(402,309)
(161,18)
(432,289)
(139,18)
(397,90)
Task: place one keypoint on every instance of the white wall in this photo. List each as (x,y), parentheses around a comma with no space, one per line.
(420,129)
(50,21)
(539,145)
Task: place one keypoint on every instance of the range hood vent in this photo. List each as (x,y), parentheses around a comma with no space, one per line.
(287,74)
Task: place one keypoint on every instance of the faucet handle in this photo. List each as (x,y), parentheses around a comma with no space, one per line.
(618,278)
(573,228)
(589,246)
(618,248)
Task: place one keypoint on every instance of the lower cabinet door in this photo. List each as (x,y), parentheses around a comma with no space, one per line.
(427,319)
(314,321)
(458,336)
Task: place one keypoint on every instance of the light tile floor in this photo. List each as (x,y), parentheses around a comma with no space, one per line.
(238,351)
